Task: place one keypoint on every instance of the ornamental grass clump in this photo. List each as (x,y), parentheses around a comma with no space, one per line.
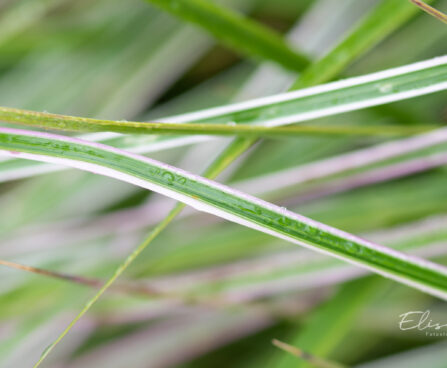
(187,181)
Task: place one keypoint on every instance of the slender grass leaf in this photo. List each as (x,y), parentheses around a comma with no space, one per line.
(230,153)
(388,16)
(315,361)
(77,124)
(345,162)
(247,142)
(331,322)
(271,274)
(430,10)
(101,77)
(224,202)
(334,98)
(236,31)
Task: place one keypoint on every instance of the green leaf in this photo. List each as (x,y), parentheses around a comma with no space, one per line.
(331,322)
(334,98)
(224,202)
(77,124)
(236,31)
(388,16)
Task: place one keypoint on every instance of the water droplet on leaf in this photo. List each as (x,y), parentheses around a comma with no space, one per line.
(385,87)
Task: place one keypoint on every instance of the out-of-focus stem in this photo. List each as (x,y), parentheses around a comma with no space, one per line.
(430,10)
(312,359)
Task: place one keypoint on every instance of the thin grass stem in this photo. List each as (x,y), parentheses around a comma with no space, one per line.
(77,124)
(431,10)
(311,359)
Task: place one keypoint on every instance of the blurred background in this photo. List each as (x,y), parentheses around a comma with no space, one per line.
(208,293)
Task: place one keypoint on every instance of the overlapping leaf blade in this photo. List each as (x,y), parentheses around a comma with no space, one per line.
(348,95)
(224,202)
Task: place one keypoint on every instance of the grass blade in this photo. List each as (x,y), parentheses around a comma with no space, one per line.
(236,31)
(334,98)
(232,152)
(430,10)
(330,323)
(77,124)
(118,272)
(287,280)
(311,271)
(224,202)
(223,158)
(343,163)
(330,99)
(312,359)
(388,16)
